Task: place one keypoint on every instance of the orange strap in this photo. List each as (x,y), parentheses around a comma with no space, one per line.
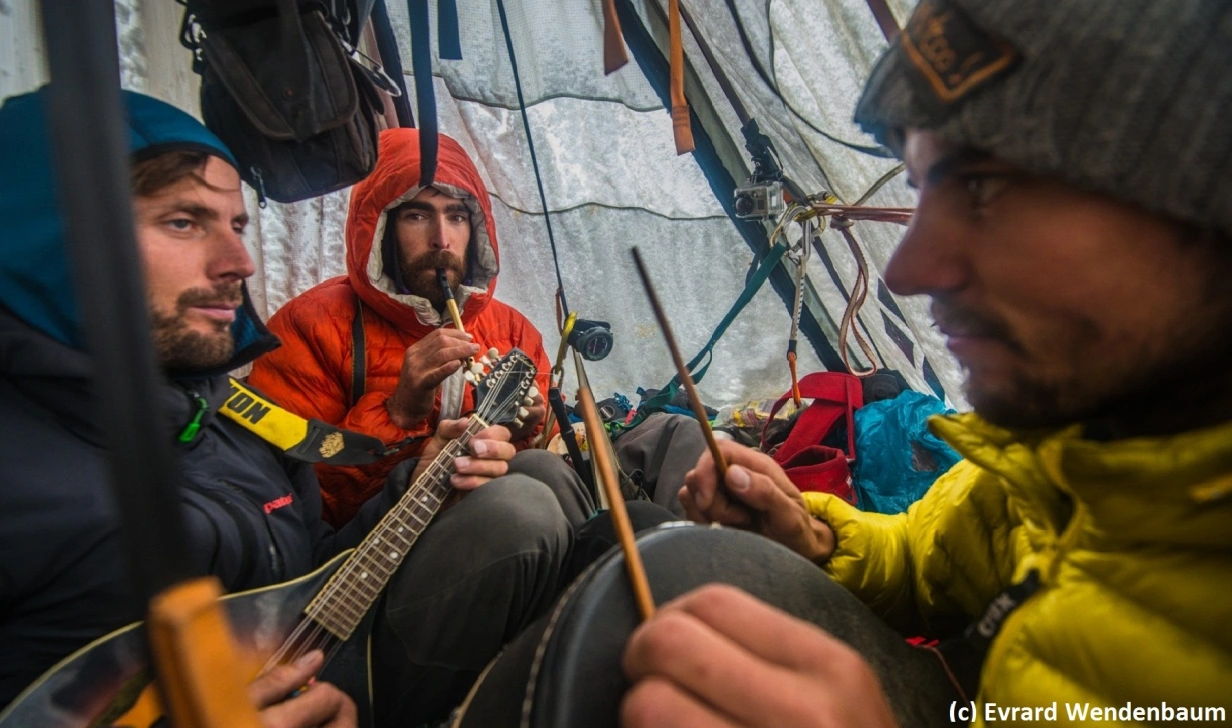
(614,55)
(795,381)
(681,128)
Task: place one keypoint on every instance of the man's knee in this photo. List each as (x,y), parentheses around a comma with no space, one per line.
(513,514)
(551,470)
(541,465)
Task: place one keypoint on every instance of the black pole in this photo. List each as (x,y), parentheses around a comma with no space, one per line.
(91,159)
(557,403)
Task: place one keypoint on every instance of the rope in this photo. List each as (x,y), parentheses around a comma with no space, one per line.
(859,291)
(875,151)
(534,160)
(806,236)
(899,215)
(894,171)
(841,219)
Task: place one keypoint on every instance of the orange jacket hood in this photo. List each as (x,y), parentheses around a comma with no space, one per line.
(394,181)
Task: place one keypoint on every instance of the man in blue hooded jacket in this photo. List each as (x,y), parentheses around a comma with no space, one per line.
(253,515)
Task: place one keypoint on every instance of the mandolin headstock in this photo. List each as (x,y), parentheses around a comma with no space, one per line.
(507,389)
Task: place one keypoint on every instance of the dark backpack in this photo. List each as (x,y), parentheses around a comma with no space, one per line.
(283,87)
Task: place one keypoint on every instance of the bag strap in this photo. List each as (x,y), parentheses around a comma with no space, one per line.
(682,128)
(359,359)
(425,95)
(309,441)
(835,395)
(614,55)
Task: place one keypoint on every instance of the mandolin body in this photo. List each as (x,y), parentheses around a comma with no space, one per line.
(100,684)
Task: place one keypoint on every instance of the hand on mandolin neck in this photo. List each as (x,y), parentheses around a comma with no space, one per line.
(477,457)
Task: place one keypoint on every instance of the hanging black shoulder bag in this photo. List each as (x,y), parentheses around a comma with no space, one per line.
(283,87)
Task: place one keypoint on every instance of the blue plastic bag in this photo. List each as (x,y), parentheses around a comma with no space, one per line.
(897,458)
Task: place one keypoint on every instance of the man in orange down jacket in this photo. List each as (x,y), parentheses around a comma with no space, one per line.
(413,375)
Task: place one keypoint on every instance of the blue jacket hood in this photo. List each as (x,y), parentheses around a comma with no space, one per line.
(36,282)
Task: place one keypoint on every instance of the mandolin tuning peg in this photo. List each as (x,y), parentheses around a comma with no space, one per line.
(527,401)
(493,353)
(532,392)
(470,377)
(522,413)
(485,361)
(518,423)
(477,368)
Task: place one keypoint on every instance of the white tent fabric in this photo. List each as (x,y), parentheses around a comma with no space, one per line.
(611,176)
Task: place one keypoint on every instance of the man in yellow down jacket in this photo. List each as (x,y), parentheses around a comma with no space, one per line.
(1074,232)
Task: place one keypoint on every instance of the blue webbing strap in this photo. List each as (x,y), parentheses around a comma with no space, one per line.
(665,395)
(425,96)
(447,37)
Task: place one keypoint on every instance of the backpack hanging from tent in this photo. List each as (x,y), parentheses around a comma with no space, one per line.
(282,87)
(809,464)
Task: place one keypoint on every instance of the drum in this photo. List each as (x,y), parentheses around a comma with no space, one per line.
(564,671)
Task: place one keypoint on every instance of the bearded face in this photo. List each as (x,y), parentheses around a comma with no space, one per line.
(433,231)
(190,223)
(184,343)
(1063,306)
(420,275)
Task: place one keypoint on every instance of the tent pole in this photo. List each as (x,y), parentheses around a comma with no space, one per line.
(192,650)
(90,153)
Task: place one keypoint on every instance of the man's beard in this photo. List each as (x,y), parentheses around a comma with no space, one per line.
(1087,387)
(182,348)
(419,275)
(1020,402)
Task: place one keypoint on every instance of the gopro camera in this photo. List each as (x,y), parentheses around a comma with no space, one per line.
(760,200)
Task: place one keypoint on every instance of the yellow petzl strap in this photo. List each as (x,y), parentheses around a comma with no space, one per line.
(311,441)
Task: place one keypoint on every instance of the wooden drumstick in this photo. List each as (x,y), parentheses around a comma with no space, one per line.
(695,401)
(616,503)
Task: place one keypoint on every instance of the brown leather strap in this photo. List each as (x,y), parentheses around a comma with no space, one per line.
(681,128)
(885,18)
(614,55)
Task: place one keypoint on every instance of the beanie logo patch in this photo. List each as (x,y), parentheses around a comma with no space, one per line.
(953,54)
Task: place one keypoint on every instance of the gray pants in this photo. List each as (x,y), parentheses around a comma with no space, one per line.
(662,449)
(483,570)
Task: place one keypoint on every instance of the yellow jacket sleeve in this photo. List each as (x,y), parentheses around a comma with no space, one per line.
(931,569)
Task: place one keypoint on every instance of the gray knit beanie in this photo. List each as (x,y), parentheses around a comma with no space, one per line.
(1132,98)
